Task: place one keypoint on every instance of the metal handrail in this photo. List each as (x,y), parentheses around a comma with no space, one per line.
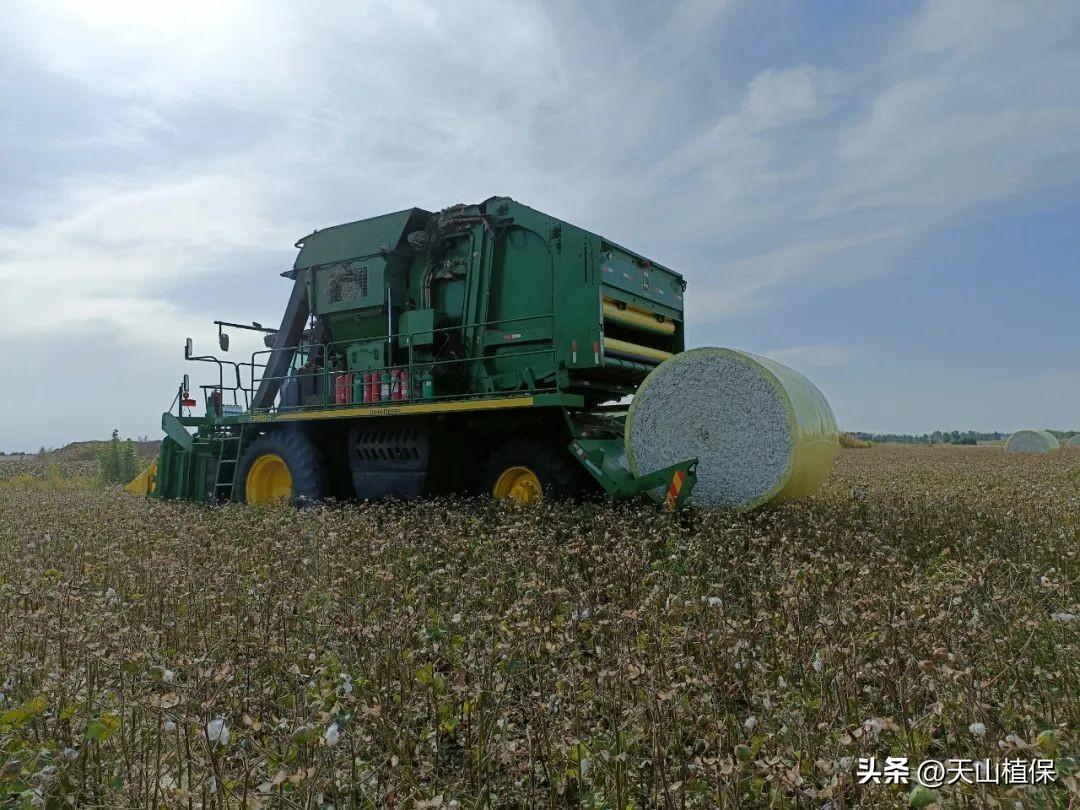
(328,374)
(206,389)
(253,367)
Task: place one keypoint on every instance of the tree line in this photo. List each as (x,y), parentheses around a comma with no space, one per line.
(947,436)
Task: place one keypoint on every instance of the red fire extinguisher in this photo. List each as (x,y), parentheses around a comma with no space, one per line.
(405,391)
(369,386)
(343,389)
(395,384)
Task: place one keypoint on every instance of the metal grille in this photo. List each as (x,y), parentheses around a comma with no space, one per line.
(347,284)
(388,444)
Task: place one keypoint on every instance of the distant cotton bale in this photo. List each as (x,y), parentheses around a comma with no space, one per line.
(761,432)
(1031,441)
(1075,441)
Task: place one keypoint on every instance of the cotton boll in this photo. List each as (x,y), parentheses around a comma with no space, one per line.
(217,731)
(873,725)
(331,735)
(346,684)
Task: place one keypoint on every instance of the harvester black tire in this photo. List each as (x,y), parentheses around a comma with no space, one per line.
(559,473)
(302,457)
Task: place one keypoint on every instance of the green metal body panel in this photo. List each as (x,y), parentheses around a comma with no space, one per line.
(367,355)
(474,303)
(416,328)
(175,430)
(181,472)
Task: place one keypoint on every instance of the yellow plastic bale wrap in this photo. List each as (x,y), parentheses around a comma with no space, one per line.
(761,431)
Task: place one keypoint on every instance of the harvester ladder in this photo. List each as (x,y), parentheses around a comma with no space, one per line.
(229,450)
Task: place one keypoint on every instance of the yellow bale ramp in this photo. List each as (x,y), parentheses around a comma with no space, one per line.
(635,318)
(144,482)
(635,350)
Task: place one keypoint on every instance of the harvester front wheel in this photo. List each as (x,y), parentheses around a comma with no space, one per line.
(281,467)
(527,471)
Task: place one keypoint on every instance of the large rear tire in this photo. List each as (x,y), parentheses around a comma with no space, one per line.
(527,471)
(283,466)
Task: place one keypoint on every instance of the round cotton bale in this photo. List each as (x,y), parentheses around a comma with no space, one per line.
(760,431)
(1075,441)
(1031,441)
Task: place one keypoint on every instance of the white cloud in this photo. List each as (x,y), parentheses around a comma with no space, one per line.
(111,248)
(984,105)
(780,97)
(950,26)
(235,50)
(773,98)
(745,284)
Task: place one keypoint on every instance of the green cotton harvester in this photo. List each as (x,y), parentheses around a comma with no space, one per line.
(493,349)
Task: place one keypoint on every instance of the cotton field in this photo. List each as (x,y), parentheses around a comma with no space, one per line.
(460,654)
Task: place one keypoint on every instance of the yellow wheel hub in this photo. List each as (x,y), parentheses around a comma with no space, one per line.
(519,484)
(268,480)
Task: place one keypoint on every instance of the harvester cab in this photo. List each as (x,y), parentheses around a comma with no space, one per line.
(485,348)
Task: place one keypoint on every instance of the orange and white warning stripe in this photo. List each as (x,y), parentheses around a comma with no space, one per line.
(673,490)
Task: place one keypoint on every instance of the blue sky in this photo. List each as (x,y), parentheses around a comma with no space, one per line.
(885,196)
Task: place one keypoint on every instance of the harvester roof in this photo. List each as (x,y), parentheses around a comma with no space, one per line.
(364,237)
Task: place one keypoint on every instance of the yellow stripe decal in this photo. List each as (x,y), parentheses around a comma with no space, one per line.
(396,410)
